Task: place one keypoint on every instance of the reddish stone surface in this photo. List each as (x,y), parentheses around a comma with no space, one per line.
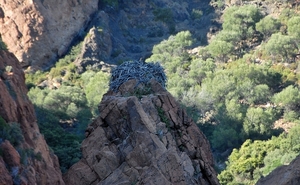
(16,107)
(5,177)
(31,28)
(10,155)
(146,139)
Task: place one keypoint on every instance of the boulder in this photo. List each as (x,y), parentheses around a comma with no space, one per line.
(97,45)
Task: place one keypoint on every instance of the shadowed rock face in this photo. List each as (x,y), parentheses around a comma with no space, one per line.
(283,175)
(143,139)
(16,107)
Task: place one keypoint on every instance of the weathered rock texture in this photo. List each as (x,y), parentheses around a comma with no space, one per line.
(283,175)
(97,45)
(39,31)
(143,139)
(5,175)
(16,107)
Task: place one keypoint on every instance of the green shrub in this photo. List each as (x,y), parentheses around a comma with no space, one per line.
(29,153)
(196,14)
(33,79)
(11,132)
(65,145)
(258,122)
(220,49)
(163,117)
(3,129)
(15,134)
(288,98)
(268,25)
(2,45)
(291,116)
(241,20)
(165,15)
(282,47)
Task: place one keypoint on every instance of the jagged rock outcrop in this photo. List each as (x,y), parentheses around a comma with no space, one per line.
(143,136)
(283,175)
(97,45)
(15,107)
(38,32)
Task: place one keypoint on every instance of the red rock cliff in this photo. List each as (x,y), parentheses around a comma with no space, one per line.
(143,139)
(31,28)
(16,107)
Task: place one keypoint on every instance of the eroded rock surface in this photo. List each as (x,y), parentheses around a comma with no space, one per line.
(38,32)
(5,175)
(97,45)
(143,139)
(15,107)
(283,175)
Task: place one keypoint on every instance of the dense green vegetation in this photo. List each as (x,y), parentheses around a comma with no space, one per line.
(64,112)
(235,88)
(255,159)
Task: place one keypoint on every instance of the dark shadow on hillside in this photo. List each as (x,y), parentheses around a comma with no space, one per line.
(134,27)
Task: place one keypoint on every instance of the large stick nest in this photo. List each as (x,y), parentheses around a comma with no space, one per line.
(141,71)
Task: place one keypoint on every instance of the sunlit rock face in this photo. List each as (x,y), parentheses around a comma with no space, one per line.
(40,31)
(143,136)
